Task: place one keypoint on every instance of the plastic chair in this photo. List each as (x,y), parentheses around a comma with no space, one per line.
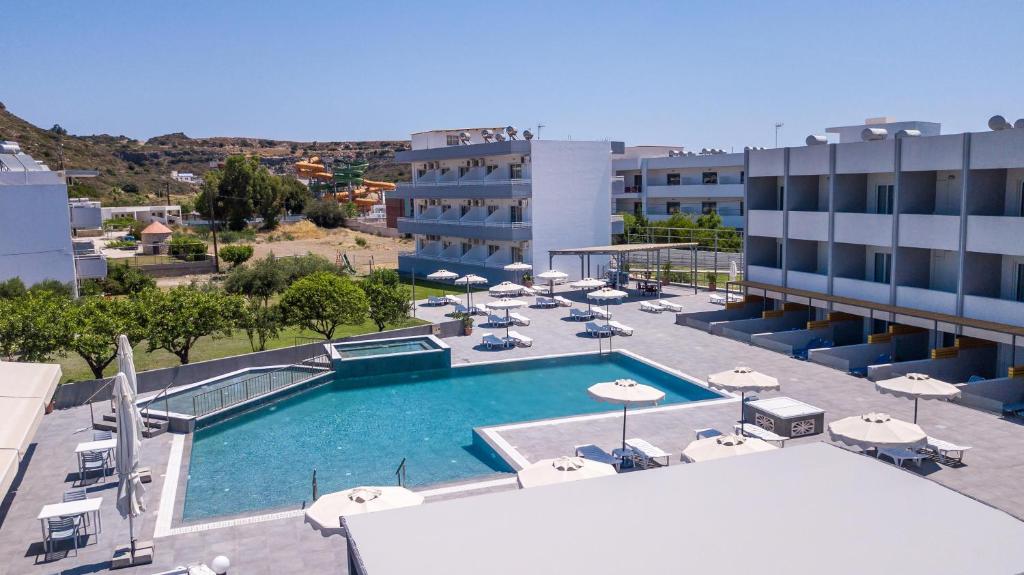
(92,461)
(62,529)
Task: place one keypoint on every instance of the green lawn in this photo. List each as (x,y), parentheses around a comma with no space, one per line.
(425,288)
(75,369)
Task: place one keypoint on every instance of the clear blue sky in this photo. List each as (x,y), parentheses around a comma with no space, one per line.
(716,74)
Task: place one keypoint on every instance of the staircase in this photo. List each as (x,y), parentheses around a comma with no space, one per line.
(151,427)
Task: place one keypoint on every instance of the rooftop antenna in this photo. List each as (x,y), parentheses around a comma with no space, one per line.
(778,125)
(539,128)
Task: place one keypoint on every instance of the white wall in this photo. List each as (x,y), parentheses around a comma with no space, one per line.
(35,230)
(571,201)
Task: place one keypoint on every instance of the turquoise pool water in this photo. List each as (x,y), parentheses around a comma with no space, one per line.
(389,348)
(181,402)
(356,431)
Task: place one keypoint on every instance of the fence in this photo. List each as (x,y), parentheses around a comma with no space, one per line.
(717,250)
(261,384)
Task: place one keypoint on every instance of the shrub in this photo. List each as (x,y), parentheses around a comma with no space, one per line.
(361,241)
(326,214)
(53,287)
(122,244)
(236,255)
(12,288)
(123,280)
(232,236)
(188,248)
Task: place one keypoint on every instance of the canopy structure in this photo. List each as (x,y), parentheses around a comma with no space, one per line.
(506,304)
(442,275)
(561,470)
(917,386)
(518,268)
(620,252)
(505,289)
(468,280)
(552,276)
(607,296)
(130,492)
(325,514)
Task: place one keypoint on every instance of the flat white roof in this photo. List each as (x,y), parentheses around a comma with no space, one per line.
(806,509)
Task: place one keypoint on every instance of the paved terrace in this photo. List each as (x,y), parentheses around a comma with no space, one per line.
(286,544)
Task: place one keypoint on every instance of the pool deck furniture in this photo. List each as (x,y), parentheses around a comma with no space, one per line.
(598,330)
(436,300)
(785,416)
(600,313)
(706,432)
(62,529)
(71,509)
(93,461)
(518,318)
(722,299)
(669,305)
(580,314)
(620,328)
(651,307)
(1014,408)
(595,453)
(103,447)
(900,454)
(492,341)
(520,339)
(453,299)
(562,301)
(752,430)
(546,302)
(946,450)
(497,321)
(648,455)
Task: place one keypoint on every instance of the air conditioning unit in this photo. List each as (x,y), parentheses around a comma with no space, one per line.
(469,163)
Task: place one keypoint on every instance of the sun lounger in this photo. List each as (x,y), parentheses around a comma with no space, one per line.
(579,314)
(649,455)
(459,308)
(706,432)
(529,291)
(761,433)
(546,302)
(946,449)
(520,339)
(453,300)
(669,305)
(595,453)
(497,321)
(620,328)
(596,330)
(600,313)
(492,341)
(434,300)
(651,307)
(900,454)
(518,318)
(562,301)
(722,299)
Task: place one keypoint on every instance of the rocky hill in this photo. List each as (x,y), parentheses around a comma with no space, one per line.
(134,172)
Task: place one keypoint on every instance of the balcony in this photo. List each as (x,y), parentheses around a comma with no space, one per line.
(696,191)
(807,281)
(812,226)
(765,274)
(471,259)
(767,223)
(995,310)
(995,235)
(463,188)
(860,289)
(463,228)
(91,266)
(863,229)
(930,231)
(926,299)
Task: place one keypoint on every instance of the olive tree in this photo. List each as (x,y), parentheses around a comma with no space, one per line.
(176,319)
(389,300)
(95,324)
(322,301)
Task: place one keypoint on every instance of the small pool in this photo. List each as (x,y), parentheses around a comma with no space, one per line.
(388,348)
(355,431)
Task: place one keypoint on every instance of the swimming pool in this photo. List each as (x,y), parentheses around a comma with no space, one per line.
(355,431)
(181,402)
(387,348)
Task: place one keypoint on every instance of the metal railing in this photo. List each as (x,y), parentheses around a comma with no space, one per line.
(460,222)
(400,473)
(462,182)
(462,259)
(167,408)
(258,385)
(109,383)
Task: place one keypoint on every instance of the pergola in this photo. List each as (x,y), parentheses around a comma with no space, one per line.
(619,253)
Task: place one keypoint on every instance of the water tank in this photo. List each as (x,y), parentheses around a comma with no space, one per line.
(869,134)
(486,134)
(1019,123)
(511,131)
(499,136)
(816,140)
(528,134)
(998,122)
(464,137)
(908,133)
(10,148)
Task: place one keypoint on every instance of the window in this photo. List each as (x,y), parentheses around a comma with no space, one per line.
(445,171)
(743,176)
(452,140)
(781,198)
(491,210)
(463,170)
(491,250)
(741,208)
(708,207)
(638,208)
(433,238)
(672,207)
(883,267)
(883,197)
(1020,201)
(709,177)
(1019,292)
(673,179)
(516,253)
(463,210)
(466,247)
(515,215)
(515,171)
(491,169)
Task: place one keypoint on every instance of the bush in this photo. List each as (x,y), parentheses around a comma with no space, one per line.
(12,288)
(236,255)
(123,280)
(122,244)
(361,241)
(54,287)
(326,214)
(119,223)
(188,248)
(232,236)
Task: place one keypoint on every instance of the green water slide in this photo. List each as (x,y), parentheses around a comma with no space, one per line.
(350,174)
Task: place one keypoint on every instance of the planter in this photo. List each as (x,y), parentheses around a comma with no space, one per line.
(712,286)
(467,330)
(528,283)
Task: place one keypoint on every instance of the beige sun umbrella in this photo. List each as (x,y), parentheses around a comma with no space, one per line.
(917,386)
(742,380)
(606,295)
(561,470)
(325,514)
(130,491)
(876,430)
(442,275)
(551,276)
(518,268)
(506,304)
(468,280)
(625,392)
(505,289)
(724,446)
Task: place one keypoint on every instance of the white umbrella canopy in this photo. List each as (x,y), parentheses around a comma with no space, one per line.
(552,276)
(518,267)
(126,362)
(724,446)
(607,294)
(325,514)
(130,491)
(561,470)
(506,288)
(917,386)
(587,283)
(468,280)
(506,304)
(442,275)
(742,380)
(876,430)
(625,392)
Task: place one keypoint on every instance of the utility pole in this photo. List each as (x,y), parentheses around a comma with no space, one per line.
(167,193)
(778,125)
(539,128)
(213,230)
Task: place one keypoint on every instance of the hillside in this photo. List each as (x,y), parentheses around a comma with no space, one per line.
(133,172)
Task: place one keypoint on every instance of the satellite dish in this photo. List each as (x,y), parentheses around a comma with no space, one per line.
(528,134)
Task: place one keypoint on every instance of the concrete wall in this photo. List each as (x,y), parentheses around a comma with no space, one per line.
(978,361)
(77,393)
(991,394)
(702,320)
(787,341)
(741,330)
(376,230)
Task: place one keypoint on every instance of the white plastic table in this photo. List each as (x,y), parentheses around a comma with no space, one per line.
(71,509)
(101,445)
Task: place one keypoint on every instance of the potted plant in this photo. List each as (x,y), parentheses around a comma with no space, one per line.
(712,278)
(467,322)
(528,280)
(666,273)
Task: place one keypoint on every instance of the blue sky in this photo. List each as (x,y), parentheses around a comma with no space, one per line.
(714,74)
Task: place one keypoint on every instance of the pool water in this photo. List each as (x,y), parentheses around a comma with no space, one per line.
(353,350)
(356,431)
(181,402)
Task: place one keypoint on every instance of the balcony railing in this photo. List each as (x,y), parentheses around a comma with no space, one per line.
(485,223)
(463,182)
(470,260)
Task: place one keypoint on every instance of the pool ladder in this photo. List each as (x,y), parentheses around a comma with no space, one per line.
(400,473)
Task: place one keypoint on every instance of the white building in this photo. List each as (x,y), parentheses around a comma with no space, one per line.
(186,177)
(86,214)
(35,228)
(658,181)
(145,214)
(478,202)
(898,216)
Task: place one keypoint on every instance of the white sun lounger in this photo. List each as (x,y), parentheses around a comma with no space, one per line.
(900,454)
(651,307)
(562,301)
(435,300)
(669,305)
(497,320)
(579,314)
(620,328)
(761,433)
(946,449)
(520,339)
(529,291)
(596,330)
(518,318)
(722,299)
(595,453)
(600,313)
(459,308)
(648,454)
(546,302)
(453,300)
(492,341)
